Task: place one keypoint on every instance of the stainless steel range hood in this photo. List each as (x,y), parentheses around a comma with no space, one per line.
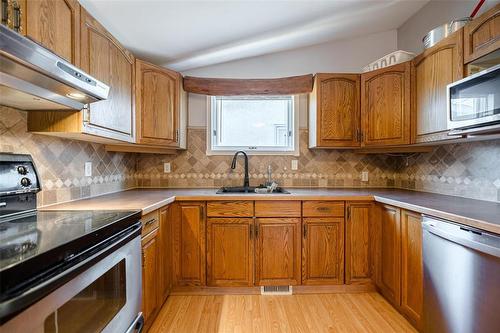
(34,78)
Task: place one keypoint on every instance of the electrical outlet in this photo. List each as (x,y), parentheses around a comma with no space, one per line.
(364,176)
(166,168)
(88,169)
(295,164)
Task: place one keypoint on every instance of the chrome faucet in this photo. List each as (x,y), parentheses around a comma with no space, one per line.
(269,175)
(246,182)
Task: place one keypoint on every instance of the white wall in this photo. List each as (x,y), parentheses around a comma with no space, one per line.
(340,56)
(433,14)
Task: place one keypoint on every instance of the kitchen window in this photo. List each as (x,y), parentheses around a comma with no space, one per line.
(254,124)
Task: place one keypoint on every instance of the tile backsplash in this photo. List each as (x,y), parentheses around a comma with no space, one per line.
(467,169)
(60,162)
(317,168)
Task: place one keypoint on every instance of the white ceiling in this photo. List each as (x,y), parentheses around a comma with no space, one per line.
(188,34)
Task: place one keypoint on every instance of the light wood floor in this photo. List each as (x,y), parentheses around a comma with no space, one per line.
(363,312)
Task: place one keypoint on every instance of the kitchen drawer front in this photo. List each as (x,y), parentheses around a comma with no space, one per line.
(150,221)
(277,208)
(323,208)
(230,208)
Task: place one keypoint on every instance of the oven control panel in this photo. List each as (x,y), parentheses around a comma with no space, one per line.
(17,174)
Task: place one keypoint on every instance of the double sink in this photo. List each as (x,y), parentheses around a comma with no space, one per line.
(249,190)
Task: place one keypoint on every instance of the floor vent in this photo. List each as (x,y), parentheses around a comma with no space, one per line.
(276,290)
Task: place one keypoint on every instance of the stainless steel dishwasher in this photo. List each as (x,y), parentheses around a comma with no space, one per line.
(461,278)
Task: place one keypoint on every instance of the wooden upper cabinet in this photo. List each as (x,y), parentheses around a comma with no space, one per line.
(157,104)
(411,267)
(230,252)
(189,254)
(482,35)
(390,253)
(323,251)
(334,113)
(105,59)
(434,69)
(386,106)
(54,24)
(277,251)
(358,256)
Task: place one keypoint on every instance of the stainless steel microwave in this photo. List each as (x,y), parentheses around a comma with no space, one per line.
(474,103)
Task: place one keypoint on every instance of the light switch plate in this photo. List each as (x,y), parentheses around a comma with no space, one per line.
(88,169)
(166,168)
(364,176)
(295,164)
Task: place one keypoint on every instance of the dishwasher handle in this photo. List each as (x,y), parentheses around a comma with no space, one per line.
(462,235)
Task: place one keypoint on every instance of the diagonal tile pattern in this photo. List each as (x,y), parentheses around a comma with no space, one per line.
(469,170)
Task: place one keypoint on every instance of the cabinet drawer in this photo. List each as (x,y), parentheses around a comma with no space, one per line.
(230,208)
(149,222)
(277,208)
(323,208)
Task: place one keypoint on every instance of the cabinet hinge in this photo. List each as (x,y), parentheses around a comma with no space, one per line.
(86,113)
(214,133)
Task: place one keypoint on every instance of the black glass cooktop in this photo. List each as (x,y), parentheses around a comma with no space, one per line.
(41,240)
(40,232)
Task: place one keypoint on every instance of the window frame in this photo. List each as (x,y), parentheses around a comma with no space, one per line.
(293,124)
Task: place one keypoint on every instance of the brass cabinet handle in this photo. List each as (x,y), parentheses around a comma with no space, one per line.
(16,10)
(305,230)
(348,213)
(5,12)
(323,209)
(149,222)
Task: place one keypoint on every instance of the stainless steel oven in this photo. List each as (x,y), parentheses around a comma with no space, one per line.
(474,103)
(65,271)
(104,298)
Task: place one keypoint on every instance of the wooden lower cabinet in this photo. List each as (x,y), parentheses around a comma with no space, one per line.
(277,251)
(411,267)
(323,251)
(400,261)
(358,249)
(189,252)
(390,252)
(165,254)
(150,260)
(230,252)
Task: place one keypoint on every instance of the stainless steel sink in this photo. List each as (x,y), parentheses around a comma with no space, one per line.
(248,190)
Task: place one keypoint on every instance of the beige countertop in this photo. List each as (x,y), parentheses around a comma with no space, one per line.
(476,213)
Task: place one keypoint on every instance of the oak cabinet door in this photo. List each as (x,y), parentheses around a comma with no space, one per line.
(386,106)
(277,251)
(230,251)
(189,244)
(482,35)
(157,104)
(105,59)
(165,254)
(335,111)
(358,256)
(54,24)
(323,251)
(434,69)
(390,251)
(411,267)
(149,276)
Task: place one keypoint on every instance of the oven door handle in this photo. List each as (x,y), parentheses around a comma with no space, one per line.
(138,324)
